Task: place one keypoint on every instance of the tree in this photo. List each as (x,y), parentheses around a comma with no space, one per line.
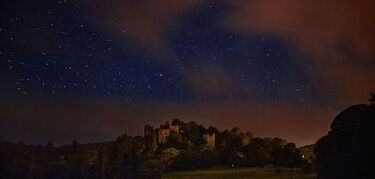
(150,144)
(236,159)
(213,130)
(290,156)
(235,131)
(308,157)
(193,132)
(174,140)
(372,99)
(257,152)
(277,146)
(246,138)
(176,121)
(345,152)
(151,168)
(228,143)
(168,156)
(186,160)
(207,156)
(104,163)
(50,144)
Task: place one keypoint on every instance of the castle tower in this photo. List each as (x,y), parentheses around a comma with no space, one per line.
(210,139)
(148,130)
(161,133)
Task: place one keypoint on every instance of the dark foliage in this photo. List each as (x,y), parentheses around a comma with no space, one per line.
(372,99)
(142,157)
(347,150)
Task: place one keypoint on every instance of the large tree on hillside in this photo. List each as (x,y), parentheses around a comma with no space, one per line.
(372,99)
(291,156)
(347,150)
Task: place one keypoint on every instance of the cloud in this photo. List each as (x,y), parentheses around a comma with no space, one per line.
(318,25)
(337,34)
(209,82)
(144,22)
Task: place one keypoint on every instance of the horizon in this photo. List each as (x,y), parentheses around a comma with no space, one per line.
(92,70)
(136,129)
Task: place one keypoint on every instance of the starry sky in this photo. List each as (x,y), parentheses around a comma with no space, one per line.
(90,70)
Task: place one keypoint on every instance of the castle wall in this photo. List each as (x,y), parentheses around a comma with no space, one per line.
(163,134)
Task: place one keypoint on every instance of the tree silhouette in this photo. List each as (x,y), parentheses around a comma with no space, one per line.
(347,149)
(142,157)
(174,140)
(372,99)
(291,156)
(50,144)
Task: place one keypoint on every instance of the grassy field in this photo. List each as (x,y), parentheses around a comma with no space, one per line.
(239,173)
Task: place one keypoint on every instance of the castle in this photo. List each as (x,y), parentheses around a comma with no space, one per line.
(163,132)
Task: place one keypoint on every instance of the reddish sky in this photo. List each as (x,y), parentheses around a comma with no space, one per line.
(92,70)
(98,120)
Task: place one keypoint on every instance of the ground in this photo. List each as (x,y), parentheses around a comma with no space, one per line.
(239,173)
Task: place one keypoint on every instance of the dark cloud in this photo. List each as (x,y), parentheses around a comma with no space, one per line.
(337,34)
(143,22)
(210,82)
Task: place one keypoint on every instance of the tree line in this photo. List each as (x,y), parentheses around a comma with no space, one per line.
(143,157)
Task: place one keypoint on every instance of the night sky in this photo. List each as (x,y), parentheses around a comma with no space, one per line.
(90,70)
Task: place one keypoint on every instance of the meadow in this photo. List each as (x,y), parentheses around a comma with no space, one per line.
(240,173)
